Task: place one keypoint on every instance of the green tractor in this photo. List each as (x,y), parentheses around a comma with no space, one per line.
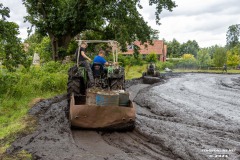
(107,104)
(151,76)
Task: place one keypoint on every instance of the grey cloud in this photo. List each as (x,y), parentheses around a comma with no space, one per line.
(214,24)
(219,7)
(17,12)
(205,21)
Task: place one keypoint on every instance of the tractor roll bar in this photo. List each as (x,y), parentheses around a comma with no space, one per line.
(111,42)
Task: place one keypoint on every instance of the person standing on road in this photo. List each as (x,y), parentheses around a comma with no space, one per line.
(224,67)
(83,60)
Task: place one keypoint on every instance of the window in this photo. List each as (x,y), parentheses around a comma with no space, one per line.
(130,46)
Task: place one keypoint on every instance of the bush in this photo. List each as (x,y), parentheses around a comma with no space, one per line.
(52,77)
(7,82)
(163,65)
(187,61)
(52,67)
(18,88)
(152,57)
(53,82)
(130,60)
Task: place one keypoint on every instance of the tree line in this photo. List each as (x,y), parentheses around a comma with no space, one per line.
(214,56)
(56,24)
(62,20)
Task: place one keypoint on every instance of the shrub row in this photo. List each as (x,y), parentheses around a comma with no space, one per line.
(52,77)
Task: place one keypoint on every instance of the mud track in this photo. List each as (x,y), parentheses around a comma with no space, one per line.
(190,116)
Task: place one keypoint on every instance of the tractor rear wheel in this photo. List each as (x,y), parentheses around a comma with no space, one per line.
(157,74)
(144,74)
(73,86)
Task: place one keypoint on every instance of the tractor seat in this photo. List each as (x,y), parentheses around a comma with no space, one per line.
(97,69)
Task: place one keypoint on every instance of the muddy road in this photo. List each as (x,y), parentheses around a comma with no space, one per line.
(190,116)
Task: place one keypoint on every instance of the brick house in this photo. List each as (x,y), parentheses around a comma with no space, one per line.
(158,47)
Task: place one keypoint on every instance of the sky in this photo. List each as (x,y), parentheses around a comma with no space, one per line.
(205,21)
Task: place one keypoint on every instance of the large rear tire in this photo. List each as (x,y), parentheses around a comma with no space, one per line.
(157,74)
(75,86)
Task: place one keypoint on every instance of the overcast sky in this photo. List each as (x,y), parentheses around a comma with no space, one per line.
(205,21)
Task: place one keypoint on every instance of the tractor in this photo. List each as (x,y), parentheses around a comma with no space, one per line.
(106,105)
(151,76)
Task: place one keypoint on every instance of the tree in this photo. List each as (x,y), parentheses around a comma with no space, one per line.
(233,56)
(64,19)
(11,50)
(203,58)
(154,35)
(211,50)
(191,47)
(173,48)
(44,49)
(188,57)
(152,57)
(219,57)
(32,41)
(187,61)
(136,52)
(233,35)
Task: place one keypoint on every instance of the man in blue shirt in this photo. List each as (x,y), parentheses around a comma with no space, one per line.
(100,58)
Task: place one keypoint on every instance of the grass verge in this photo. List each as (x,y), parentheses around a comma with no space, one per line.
(135,71)
(17,90)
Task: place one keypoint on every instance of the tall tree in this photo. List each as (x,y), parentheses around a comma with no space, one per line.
(64,19)
(211,50)
(233,56)
(203,58)
(33,40)
(233,35)
(173,48)
(11,50)
(219,57)
(191,47)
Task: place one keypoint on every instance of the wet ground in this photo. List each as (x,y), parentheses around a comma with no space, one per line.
(186,116)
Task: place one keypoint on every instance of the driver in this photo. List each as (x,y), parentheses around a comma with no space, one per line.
(100,58)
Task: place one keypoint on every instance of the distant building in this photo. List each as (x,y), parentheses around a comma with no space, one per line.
(158,47)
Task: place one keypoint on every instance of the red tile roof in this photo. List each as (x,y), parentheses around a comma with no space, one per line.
(157,47)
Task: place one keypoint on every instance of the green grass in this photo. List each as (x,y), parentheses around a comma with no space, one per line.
(17,91)
(14,120)
(23,155)
(135,71)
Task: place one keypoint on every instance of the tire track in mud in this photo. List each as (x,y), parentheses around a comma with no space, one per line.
(190,117)
(193,116)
